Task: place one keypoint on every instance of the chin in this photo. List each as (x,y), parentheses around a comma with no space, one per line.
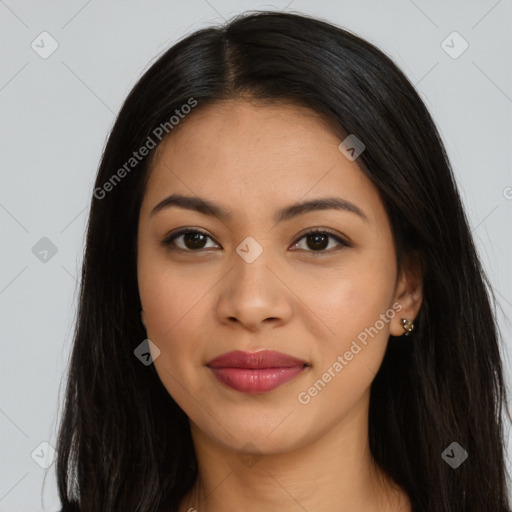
(259,437)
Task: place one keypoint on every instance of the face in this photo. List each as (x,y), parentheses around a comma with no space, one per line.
(249,279)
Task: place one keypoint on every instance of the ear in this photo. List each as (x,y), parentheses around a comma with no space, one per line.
(409,291)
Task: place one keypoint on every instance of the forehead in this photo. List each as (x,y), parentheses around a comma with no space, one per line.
(245,153)
(241,129)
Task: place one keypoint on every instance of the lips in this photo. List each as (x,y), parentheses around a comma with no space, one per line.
(256,372)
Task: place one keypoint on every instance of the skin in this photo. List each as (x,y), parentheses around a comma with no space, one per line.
(254,159)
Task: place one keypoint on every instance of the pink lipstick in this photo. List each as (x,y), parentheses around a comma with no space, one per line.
(256,372)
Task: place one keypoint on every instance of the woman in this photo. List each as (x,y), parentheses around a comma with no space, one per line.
(281,304)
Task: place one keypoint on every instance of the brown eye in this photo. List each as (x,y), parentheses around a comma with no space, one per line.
(193,240)
(188,240)
(318,241)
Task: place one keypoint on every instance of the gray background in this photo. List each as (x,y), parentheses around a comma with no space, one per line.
(55,117)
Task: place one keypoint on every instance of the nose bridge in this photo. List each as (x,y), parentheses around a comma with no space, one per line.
(252,292)
(251,262)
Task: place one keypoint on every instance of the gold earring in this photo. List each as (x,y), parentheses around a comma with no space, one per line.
(407,325)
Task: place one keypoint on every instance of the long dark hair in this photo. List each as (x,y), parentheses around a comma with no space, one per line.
(123,442)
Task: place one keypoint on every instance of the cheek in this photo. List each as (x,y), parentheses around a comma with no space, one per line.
(355,305)
(352,298)
(173,302)
(358,329)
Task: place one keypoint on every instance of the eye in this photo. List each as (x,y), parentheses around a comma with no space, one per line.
(318,240)
(193,240)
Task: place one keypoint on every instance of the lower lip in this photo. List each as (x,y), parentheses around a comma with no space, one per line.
(251,380)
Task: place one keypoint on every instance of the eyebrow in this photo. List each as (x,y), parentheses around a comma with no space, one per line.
(210,208)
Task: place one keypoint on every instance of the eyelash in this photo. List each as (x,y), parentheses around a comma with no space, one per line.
(168,241)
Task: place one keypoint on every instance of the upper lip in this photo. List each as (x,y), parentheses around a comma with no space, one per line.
(260,359)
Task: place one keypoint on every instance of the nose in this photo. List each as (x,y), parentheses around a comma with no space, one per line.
(254,294)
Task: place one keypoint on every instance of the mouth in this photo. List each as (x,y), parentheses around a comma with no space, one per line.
(256,372)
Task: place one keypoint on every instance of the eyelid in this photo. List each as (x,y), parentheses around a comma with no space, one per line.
(342,241)
(169,238)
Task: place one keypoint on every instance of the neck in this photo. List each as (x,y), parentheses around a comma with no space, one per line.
(335,472)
